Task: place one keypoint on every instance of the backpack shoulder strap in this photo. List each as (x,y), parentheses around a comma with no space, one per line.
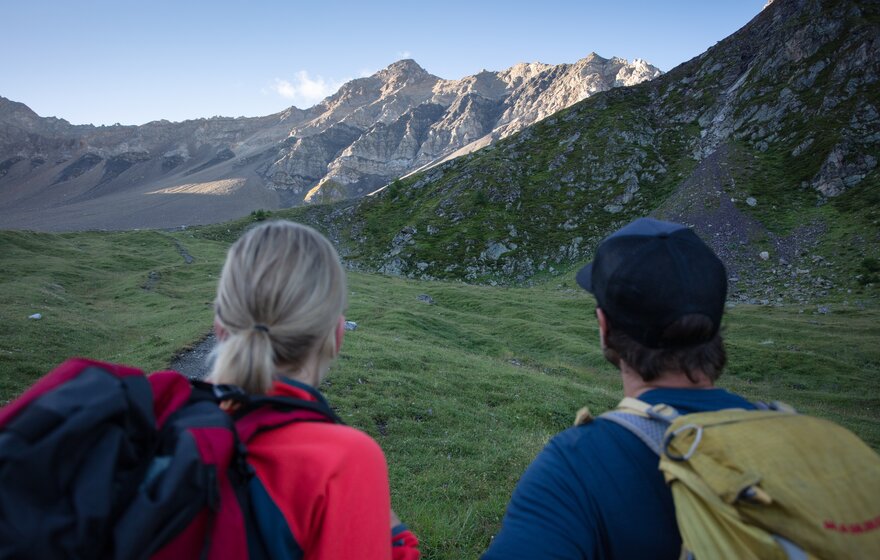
(259,414)
(646,422)
(255,413)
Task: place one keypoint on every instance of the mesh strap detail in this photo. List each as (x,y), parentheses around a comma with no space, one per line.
(650,430)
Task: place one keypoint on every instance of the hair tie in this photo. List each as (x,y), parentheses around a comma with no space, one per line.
(261,328)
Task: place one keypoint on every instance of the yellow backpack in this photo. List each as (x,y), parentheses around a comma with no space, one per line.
(762,484)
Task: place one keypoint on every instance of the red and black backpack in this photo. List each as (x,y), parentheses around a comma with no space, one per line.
(98,460)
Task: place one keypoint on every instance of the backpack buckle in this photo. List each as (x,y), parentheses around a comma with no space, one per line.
(229,393)
(693,448)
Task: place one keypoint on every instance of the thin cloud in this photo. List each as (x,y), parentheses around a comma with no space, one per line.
(404,54)
(304,90)
(284,88)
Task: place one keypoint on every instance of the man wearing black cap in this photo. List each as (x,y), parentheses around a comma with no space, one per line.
(595,490)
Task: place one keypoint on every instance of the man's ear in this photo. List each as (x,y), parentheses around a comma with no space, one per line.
(603,326)
(219,330)
(340,333)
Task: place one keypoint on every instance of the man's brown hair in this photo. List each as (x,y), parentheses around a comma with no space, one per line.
(678,351)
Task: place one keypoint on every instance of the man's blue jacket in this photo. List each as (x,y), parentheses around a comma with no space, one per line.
(595,492)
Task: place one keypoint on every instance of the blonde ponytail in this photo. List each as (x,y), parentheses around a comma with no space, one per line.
(280,295)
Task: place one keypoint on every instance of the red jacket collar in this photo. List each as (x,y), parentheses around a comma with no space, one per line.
(286,387)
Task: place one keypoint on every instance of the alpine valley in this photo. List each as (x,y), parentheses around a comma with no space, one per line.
(766,144)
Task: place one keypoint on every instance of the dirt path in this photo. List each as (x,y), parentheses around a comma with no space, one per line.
(187,258)
(194,363)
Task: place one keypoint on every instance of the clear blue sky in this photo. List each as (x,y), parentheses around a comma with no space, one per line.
(107,61)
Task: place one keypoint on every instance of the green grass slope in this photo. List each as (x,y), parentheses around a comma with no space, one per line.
(121,297)
(460,394)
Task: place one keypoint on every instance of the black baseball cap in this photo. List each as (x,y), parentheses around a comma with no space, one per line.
(650,273)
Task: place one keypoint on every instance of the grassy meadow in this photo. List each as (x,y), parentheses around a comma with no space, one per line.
(460,394)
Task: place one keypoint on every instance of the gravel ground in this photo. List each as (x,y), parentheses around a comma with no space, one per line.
(194,363)
(705,201)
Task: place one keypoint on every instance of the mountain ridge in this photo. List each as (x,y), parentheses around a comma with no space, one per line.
(369,132)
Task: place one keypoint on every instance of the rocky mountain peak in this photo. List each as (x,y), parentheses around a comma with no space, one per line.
(7,105)
(635,72)
(404,74)
(13,112)
(19,119)
(406,68)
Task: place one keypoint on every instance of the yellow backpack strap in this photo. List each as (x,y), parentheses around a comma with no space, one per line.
(583,416)
(662,412)
(629,405)
(633,406)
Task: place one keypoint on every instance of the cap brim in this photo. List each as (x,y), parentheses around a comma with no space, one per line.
(584,278)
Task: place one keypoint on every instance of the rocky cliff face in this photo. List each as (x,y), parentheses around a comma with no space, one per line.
(409,119)
(767,144)
(371,131)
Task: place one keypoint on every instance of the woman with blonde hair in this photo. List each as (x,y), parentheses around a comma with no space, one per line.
(279,319)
